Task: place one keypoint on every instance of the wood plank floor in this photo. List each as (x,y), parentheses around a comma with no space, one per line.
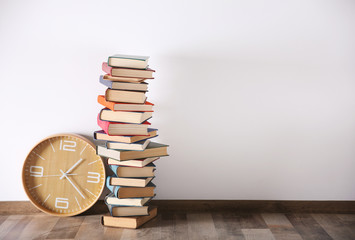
(190,224)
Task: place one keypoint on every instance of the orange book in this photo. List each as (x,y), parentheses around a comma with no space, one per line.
(130,107)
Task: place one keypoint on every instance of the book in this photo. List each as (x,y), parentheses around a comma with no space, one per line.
(131,107)
(128,61)
(130,192)
(137,146)
(127,72)
(153,150)
(122,79)
(111,199)
(125,96)
(122,171)
(128,222)
(129,182)
(142,86)
(101,135)
(115,128)
(132,163)
(124,211)
(124,117)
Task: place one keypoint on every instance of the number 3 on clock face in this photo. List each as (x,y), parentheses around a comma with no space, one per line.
(63,176)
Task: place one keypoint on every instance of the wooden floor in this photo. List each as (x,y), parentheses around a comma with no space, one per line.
(195,224)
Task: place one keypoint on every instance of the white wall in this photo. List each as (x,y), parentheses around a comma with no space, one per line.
(256,98)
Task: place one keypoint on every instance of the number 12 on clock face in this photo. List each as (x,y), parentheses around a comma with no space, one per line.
(63,176)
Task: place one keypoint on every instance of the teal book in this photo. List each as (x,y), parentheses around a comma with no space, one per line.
(130,192)
(128,61)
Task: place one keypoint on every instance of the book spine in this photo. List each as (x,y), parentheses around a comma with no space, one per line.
(114,169)
(106,68)
(104,125)
(104,82)
(103,102)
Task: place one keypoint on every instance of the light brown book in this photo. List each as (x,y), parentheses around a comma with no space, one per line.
(128,222)
(125,96)
(118,211)
(132,163)
(125,117)
(130,182)
(133,192)
(140,86)
(101,135)
(122,79)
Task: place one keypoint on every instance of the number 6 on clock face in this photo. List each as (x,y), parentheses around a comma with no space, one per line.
(63,176)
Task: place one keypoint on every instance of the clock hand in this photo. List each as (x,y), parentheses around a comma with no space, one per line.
(58,175)
(75,164)
(65,175)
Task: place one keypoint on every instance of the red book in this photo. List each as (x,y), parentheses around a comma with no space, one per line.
(128,72)
(119,129)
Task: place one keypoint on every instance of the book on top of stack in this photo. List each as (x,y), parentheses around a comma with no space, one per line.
(127,141)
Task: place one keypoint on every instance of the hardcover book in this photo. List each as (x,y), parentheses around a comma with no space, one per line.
(128,222)
(130,182)
(124,117)
(125,96)
(131,107)
(152,150)
(101,135)
(122,79)
(124,211)
(124,85)
(115,128)
(128,72)
(130,192)
(128,61)
(122,171)
(138,202)
(132,163)
(138,146)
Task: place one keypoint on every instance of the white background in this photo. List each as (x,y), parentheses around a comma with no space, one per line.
(256,98)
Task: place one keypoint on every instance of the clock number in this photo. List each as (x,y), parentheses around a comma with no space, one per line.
(62,203)
(95,176)
(36,171)
(67,146)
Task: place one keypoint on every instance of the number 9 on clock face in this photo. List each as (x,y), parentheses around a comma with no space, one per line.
(63,176)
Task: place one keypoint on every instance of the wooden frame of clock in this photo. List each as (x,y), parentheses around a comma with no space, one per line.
(62,175)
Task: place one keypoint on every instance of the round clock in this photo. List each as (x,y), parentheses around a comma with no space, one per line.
(63,176)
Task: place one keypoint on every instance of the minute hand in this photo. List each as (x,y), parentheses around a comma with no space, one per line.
(75,164)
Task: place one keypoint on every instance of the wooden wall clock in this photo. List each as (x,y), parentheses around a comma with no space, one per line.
(63,176)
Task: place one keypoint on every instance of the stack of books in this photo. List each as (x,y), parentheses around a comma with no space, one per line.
(126,141)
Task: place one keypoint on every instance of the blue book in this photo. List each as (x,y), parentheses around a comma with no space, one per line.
(128,202)
(130,192)
(141,87)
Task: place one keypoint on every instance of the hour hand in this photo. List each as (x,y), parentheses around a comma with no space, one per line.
(72,167)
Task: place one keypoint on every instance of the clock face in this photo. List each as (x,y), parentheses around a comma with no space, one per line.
(63,176)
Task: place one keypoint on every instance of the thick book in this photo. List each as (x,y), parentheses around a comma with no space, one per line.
(128,222)
(125,96)
(122,171)
(130,192)
(127,72)
(138,146)
(132,163)
(138,202)
(131,107)
(153,150)
(124,117)
(101,135)
(142,86)
(122,79)
(115,128)
(128,61)
(130,182)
